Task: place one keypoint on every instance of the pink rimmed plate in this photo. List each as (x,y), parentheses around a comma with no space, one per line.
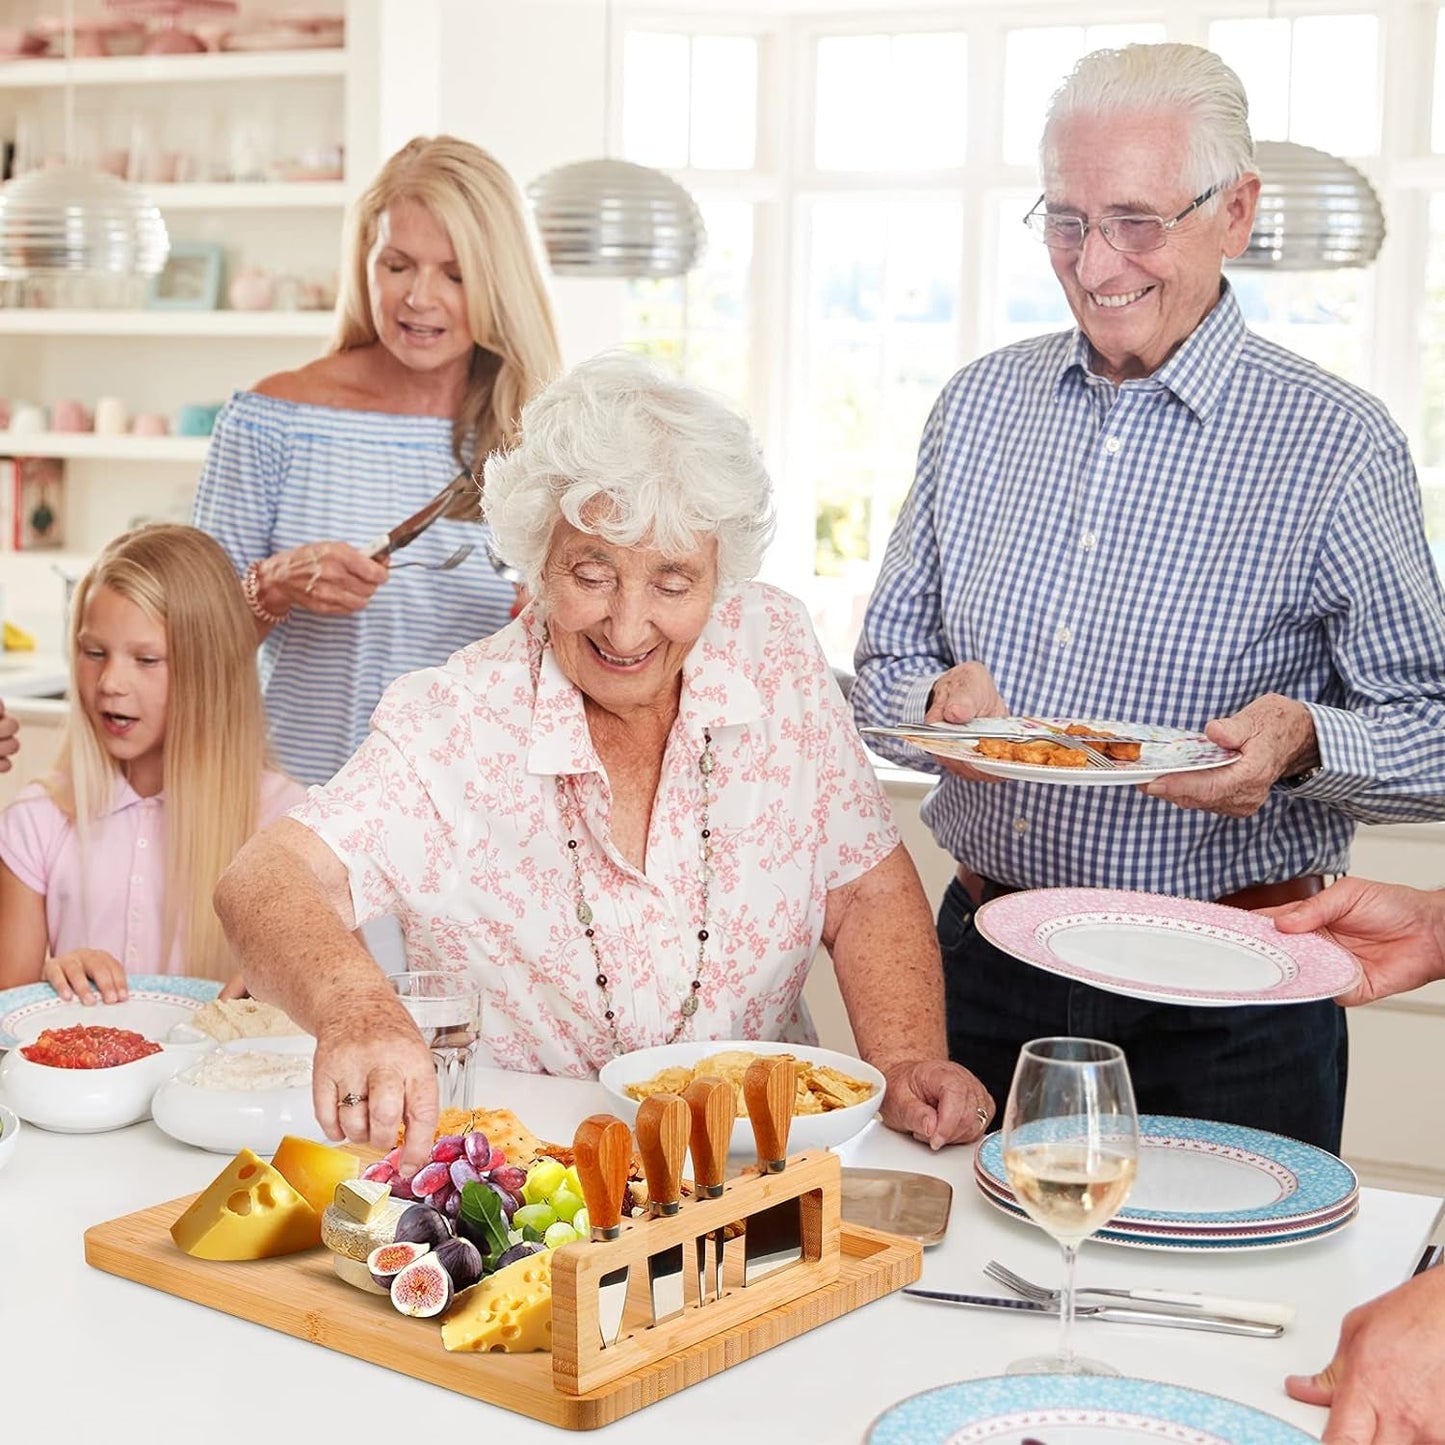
(1168,950)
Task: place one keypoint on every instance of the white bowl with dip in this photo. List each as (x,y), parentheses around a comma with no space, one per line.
(247,1094)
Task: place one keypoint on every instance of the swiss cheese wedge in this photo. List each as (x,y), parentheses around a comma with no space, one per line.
(510,1311)
(249,1211)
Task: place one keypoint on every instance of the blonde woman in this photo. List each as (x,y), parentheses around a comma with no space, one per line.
(444,332)
(107,865)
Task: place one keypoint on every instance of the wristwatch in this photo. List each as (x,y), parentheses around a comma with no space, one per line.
(251,590)
(1295,780)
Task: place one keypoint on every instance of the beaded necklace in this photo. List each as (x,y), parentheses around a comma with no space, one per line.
(706,762)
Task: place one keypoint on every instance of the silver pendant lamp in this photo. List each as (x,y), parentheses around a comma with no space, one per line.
(614,218)
(68,222)
(1315,212)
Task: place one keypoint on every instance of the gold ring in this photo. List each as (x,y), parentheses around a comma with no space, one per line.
(349,1101)
(978,1109)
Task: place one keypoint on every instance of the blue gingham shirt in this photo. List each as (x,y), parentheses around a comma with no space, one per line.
(281,474)
(1240,522)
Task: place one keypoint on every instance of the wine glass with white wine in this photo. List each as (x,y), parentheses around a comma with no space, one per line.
(1070,1149)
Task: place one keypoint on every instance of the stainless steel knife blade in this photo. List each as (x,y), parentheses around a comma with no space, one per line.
(772,1238)
(1113,1314)
(603,1151)
(662,1127)
(712,1102)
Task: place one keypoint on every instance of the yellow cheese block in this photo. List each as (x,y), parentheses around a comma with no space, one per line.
(313,1169)
(510,1311)
(17,639)
(248,1212)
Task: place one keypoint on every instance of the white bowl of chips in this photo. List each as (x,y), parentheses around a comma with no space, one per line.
(827,1081)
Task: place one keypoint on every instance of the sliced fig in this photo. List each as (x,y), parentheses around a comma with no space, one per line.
(421,1224)
(387,1261)
(462,1260)
(423,1288)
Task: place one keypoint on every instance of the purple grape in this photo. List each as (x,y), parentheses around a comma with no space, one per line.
(478,1150)
(401,1188)
(447,1148)
(462,1173)
(510,1177)
(430,1178)
(448,1200)
(509,1203)
(380,1172)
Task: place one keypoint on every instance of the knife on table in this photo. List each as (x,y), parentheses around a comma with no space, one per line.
(1117,1314)
(603,1153)
(772,1238)
(713,1104)
(408,531)
(662,1125)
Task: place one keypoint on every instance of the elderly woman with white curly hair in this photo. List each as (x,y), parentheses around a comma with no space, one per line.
(632,815)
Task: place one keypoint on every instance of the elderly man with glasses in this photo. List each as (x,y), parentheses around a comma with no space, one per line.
(1160,517)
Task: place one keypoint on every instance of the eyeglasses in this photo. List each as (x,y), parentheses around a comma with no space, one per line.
(1123,233)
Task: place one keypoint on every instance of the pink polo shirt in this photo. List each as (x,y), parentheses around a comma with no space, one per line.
(123,910)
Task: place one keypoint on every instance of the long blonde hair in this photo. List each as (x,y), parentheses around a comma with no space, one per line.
(516,351)
(215,742)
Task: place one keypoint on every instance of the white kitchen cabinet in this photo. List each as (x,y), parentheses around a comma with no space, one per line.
(158,360)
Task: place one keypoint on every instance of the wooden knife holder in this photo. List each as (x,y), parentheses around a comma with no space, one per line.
(580,1361)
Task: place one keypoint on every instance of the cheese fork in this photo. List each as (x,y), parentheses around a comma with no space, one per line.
(1187,1302)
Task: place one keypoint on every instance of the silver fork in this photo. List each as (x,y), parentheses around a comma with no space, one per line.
(1093,758)
(1263,1311)
(446,565)
(501,567)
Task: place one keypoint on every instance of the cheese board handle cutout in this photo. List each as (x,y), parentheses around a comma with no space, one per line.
(769,1088)
(714,1105)
(603,1149)
(662,1128)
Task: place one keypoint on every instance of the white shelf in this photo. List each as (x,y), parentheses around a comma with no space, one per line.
(245,196)
(88,446)
(220,325)
(168,69)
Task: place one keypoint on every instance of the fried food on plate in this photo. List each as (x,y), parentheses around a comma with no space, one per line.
(819,1089)
(1042,753)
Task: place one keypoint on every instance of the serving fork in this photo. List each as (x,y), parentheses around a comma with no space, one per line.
(1185,1301)
(446,565)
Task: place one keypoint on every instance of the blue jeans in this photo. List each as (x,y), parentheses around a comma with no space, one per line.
(1280,1067)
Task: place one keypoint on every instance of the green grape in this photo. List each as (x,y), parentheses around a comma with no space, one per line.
(539,1216)
(559,1234)
(566,1203)
(542,1178)
(573,1182)
(582,1223)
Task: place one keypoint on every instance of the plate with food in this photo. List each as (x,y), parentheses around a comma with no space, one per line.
(1167,950)
(85,1078)
(1058,750)
(837,1094)
(1017,1409)
(248,1093)
(155,1004)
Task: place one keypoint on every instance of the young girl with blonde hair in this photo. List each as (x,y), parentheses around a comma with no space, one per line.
(107,864)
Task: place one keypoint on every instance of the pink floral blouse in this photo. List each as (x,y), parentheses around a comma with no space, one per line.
(448,816)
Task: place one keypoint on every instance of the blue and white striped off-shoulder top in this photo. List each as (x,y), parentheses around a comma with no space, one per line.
(281,474)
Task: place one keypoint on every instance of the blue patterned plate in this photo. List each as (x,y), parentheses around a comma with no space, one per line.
(1252,1179)
(1072,1409)
(156,1004)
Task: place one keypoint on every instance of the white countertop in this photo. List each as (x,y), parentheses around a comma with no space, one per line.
(89,1353)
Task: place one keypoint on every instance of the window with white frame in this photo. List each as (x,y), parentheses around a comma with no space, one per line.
(864,202)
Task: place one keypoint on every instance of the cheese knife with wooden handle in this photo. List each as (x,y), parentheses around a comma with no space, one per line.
(603,1152)
(713,1103)
(662,1126)
(773,1237)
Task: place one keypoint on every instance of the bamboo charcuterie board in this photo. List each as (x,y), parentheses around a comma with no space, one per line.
(300,1295)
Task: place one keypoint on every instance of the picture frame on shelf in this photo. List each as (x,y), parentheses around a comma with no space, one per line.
(191,280)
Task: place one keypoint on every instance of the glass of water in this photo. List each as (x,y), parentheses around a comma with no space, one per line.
(447,1009)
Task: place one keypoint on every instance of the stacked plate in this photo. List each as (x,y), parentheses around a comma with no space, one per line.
(1207,1186)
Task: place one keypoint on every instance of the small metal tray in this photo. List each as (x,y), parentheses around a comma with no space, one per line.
(898,1202)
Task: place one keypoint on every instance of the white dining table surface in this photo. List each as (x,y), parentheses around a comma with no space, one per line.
(85,1355)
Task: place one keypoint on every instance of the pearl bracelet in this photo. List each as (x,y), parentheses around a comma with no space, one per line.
(251,589)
